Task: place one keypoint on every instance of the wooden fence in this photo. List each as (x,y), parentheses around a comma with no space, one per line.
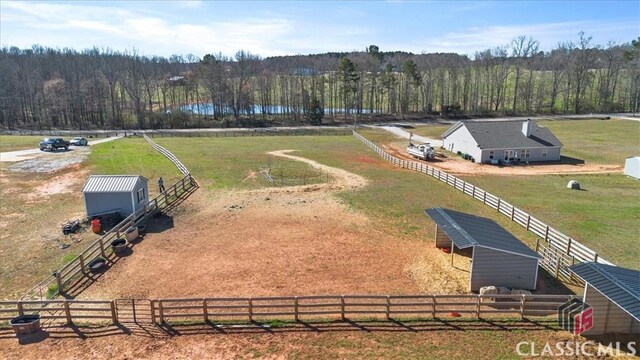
(559,242)
(273,131)
(168,155)
(286,308)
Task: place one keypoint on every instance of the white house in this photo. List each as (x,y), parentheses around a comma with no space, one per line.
(491,141)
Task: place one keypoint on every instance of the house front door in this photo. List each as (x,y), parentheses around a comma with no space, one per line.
(509,154)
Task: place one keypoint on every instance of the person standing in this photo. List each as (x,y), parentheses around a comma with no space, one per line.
(161,184)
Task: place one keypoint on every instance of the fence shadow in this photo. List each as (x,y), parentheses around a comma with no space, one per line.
(327,326)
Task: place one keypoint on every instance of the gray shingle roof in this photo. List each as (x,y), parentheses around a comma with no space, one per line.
(111,183)
(467,230)
(620,285)
(507,134)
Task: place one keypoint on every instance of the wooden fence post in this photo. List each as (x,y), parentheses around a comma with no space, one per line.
(152,307)
(101,244)
(388,307)
(205,311)
(569,247)
(522,301)
(473,191)
(67,312)
(81,258)
(484,197)
(161,310)
(513,212)
(342,315)
(295,309)
(478,307)
(546,234)
(59,281)
(498,207)
(433,306)
(537,244)
(114,316)
(250,309)
(20,308)
(528,221)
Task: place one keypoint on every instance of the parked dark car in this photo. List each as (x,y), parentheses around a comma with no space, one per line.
(53,144)
(79,141)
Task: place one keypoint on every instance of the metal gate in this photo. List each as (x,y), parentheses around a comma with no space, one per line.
(557,263)
(137,311)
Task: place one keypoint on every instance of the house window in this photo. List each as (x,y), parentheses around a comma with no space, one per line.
(491,153)
(140,195)
(526,153)
(544,153)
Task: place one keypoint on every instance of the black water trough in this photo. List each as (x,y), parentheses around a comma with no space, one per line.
(119,246)
(26,324)
(142,229)
(97,265)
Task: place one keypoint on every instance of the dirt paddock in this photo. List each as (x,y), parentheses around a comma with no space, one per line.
(456,165)
(276,242)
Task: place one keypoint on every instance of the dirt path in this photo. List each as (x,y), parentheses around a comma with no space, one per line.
(341,179)
(456,165)
(20,155)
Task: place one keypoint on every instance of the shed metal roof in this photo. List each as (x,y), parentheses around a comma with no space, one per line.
(620,285)
(506,134)
(467,230)
(111,183)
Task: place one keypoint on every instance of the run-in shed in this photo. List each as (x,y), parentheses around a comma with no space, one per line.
(498,258)
(614,295)
(125,194)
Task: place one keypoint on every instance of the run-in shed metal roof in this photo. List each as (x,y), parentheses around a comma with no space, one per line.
(620,285)
(111,183)
(467,230)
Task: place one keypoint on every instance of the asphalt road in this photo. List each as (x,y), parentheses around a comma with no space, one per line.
(12,156)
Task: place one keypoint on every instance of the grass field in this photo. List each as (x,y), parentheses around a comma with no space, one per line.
(605,216)
(12,143)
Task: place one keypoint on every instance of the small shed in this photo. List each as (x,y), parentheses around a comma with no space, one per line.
(614,295)
(632,167)
(498,258)
(125,194)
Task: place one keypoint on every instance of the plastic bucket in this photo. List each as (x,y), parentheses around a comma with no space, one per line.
(95,225)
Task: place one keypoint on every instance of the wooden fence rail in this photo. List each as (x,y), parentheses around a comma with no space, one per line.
(296,308)
(555,239)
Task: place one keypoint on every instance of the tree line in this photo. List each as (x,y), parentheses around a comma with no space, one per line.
(96,88)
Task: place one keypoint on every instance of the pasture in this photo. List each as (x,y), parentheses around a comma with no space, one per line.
(17,142)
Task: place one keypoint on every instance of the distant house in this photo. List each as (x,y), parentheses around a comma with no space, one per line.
(614,295)
(125,194)
(491,141)
(632,167)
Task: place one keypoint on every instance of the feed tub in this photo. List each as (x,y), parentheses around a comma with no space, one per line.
(26,324)
(119,246)
(132,233)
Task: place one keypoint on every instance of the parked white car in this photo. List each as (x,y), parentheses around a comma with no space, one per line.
(79,141)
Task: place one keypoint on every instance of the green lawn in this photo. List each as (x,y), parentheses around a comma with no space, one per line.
(432,131)
(597,141)
(605,216)
(17,142)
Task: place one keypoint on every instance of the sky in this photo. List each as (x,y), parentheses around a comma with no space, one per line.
(272,28)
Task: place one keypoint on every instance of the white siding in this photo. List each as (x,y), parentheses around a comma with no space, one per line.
(607,316)
(461,140)
(491,267)
(632,167)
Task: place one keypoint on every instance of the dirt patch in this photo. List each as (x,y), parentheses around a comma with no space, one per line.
(51,163)
(456,165)
(62,184)
(272,242)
